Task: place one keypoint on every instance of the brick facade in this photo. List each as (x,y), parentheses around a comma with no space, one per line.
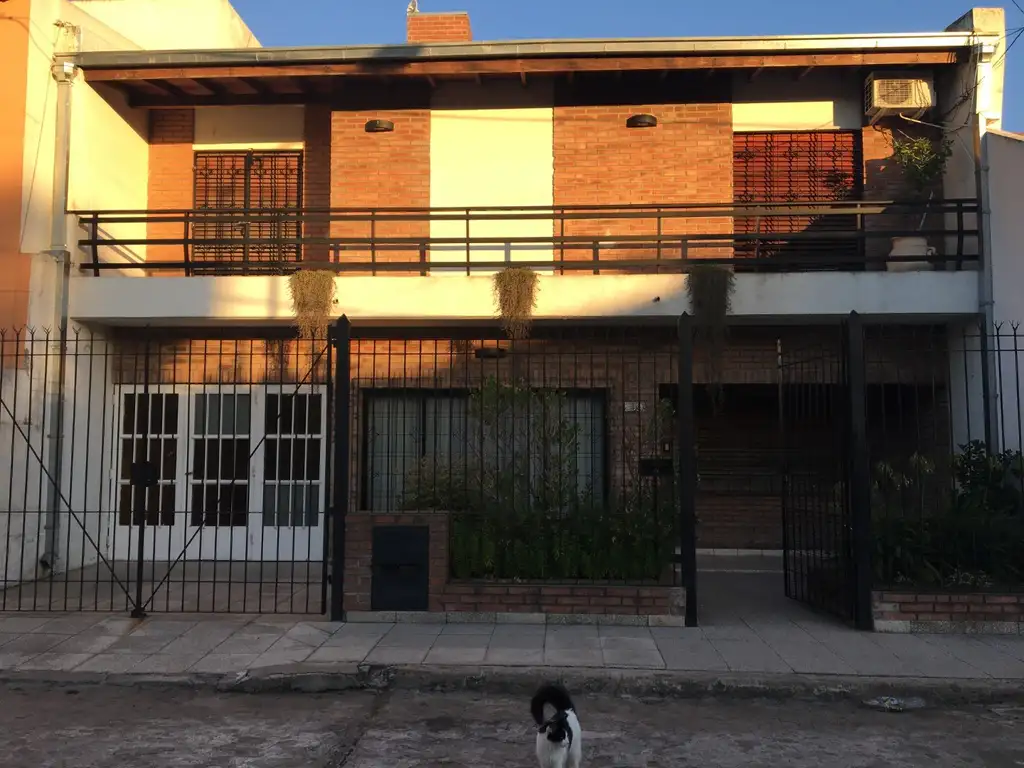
(473,597)
(373,170)
(908,611)
(316,175)
(171,135)
(687,158)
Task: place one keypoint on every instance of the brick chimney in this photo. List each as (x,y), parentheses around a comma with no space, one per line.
(452,27)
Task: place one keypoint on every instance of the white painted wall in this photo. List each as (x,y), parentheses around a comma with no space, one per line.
(1003,277)
(500,156)
(254,127)
(773,101)
(22,441)
(255,299)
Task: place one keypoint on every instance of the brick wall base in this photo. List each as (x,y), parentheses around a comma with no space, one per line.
(935,612)
(594,599)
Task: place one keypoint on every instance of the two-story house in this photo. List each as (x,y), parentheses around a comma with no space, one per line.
(701,215)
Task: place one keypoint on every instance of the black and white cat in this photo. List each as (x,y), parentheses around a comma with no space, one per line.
(559,742)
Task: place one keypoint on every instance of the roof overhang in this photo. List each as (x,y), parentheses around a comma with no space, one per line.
(300,75)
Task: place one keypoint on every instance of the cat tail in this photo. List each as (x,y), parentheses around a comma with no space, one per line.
(549,693)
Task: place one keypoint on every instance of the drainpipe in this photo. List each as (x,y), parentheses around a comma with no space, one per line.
(989,384)
(64,74)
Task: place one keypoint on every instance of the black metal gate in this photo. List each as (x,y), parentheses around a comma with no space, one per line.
(821,417)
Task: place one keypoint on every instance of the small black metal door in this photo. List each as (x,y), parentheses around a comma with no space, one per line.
(400,579)
(814,408)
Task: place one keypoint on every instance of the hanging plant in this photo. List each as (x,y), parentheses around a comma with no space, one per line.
(710,290)
(312,300)
(515,293)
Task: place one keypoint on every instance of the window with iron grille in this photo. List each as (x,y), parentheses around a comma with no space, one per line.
(428,444)
(804,167)
(251,197)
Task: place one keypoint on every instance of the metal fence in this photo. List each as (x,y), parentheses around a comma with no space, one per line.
(553,457)
(792,236)
(192,473)
(156,470)
(947,477)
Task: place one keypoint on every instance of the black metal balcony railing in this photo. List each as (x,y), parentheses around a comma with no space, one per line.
(757,237)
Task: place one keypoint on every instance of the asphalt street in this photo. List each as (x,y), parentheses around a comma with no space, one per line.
(112,727)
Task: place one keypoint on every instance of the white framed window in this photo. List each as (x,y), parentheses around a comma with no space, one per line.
(225,455)
(149,428)
(406,427)
(291,464)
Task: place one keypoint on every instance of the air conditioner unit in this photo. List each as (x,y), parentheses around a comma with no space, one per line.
(898,93)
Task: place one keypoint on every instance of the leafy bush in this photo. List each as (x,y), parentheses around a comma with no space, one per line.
(961,529)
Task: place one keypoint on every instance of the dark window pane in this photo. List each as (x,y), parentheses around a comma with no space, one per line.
(127,457)
(171,414)
(272,414)
(128,416)
(312,459)
(168,458)
(124,505)
(199,471)
(301,409)
(298,459)
(142,415)
(167,505)
(270,494)
(270,449)
(314,420)
(156,414)
(199,414)
(284,463)
(234,460)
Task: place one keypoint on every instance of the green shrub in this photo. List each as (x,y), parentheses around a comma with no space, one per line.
(960,528)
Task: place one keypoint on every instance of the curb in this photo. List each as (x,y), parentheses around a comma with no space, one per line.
(304,678)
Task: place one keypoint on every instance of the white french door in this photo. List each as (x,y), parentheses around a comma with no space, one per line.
(149,429)
(239,473)
(290,465)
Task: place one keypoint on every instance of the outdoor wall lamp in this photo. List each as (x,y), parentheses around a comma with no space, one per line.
(379,126)
(642,121)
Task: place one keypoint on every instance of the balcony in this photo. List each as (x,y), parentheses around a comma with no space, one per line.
(633,239)
(795,260)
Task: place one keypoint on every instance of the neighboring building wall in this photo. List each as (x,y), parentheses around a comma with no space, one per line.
(168,24)
(14,260)
(1003,169)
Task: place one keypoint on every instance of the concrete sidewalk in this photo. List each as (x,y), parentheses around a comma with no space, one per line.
(181,645)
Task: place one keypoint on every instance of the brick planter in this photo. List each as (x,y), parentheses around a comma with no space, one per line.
(975,612)
(478,598)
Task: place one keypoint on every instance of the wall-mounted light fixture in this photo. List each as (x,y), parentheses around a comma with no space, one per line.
(379,126)
(642,121)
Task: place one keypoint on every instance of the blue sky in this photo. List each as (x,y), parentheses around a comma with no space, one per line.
(347,22)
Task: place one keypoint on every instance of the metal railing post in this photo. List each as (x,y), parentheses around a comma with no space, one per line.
(859,477)
(687,470)
(341,481)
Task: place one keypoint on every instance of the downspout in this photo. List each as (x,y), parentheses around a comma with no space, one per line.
(985,287)
(64,74)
